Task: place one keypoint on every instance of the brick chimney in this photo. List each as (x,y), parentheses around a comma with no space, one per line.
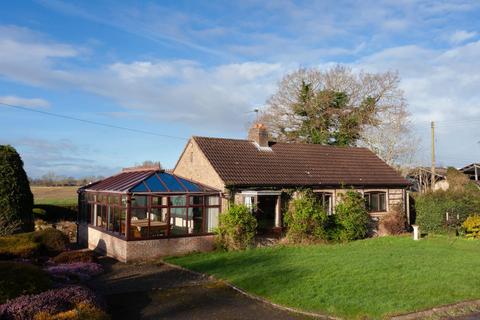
(258,133)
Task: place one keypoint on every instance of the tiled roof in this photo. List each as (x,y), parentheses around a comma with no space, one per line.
(157,181)
(242,163)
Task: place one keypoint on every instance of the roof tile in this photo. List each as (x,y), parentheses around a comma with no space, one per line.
(242,163)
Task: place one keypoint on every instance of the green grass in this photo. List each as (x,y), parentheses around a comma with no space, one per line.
(371,278)
(56,196)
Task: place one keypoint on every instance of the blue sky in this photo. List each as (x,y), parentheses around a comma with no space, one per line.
(183,68)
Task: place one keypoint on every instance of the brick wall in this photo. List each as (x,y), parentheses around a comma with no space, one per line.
(126,251)
(148,249)
(194,165)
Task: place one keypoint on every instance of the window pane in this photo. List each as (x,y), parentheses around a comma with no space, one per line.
(327,203)
(374,202)
(212,219)
(116,219)
(195,220)
(124,218)
(178,220)
(158,222)
(249,202)
(159,201)
(138,223)
(139,201)
(110,218)
(92,216)
(178,201)
(113,199)
(103,210)
(196,200)
(382,202)
(213,201)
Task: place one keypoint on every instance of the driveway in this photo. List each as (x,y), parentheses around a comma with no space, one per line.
(158,291)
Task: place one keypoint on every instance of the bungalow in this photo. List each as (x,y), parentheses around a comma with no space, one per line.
(261,174)
(147,212)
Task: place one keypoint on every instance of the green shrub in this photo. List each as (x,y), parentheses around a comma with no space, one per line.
(18,279)
(431,209)
(16,199)
(237,228)
(39,213)
(75,256)
(460,200)
(351,217)
(19,246)
(52,240)
(471,227)
(305,219)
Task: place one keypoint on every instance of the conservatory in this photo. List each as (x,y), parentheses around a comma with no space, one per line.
(129,214)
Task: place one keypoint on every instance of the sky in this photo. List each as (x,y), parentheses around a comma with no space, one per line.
(182,68)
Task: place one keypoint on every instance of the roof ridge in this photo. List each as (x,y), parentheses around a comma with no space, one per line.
(284,143)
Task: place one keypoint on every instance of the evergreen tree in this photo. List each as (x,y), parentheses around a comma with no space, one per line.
(16,199)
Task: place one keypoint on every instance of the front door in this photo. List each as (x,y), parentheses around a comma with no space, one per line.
(265,213)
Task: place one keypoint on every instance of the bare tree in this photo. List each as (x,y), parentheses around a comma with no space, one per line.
(386,130)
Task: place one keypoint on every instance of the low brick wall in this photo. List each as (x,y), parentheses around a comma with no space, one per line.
(146,249)
(126,251)
(106,244)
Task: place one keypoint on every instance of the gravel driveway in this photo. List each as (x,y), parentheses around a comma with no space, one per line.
(158,291)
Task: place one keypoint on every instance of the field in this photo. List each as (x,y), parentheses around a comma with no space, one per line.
(59,196)
(370,278)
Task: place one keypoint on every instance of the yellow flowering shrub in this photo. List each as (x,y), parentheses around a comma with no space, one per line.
(83,311)
(472,226)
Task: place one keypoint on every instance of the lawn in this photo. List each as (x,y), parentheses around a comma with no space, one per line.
(59,196)
(371,278)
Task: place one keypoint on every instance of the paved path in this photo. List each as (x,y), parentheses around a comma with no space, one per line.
(157,291)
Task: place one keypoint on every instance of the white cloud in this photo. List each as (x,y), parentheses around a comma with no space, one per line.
(172,90)
(25,102)
(29,57)
(441,86)
(460,36)
(185,91)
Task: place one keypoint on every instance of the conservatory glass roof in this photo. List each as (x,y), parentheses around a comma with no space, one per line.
(154,181)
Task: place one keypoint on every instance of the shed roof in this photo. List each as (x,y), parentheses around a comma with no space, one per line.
(243,163)
(155,181)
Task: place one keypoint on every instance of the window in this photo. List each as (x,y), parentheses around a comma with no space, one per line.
(212,218)
(325,199)
(249,202)
(375,201)
(154,216)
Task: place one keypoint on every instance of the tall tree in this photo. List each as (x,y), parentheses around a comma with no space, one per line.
(340,107)
(16,199)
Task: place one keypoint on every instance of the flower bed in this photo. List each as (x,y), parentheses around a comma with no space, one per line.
(79,271)
(50,302)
